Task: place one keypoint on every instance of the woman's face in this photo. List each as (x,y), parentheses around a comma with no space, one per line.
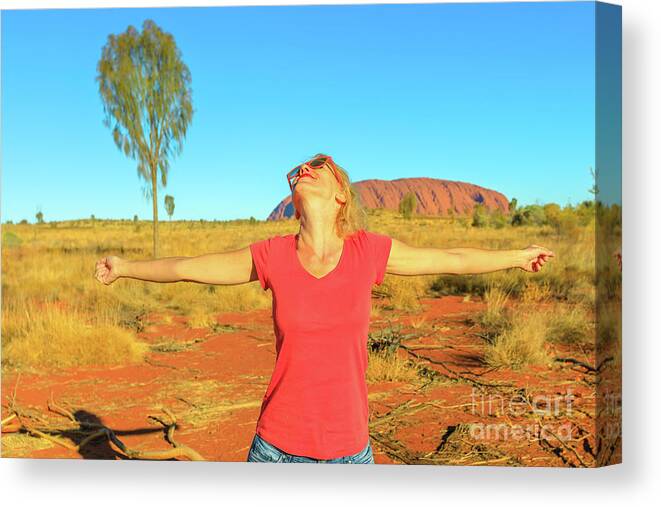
(322,180)
(316,184)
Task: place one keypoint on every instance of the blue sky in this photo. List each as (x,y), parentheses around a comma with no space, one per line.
(500,95)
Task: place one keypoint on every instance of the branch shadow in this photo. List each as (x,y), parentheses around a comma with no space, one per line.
(98,448)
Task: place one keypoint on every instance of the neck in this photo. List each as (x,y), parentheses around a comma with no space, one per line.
(317,234)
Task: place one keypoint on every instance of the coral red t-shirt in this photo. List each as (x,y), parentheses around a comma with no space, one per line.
(316,402)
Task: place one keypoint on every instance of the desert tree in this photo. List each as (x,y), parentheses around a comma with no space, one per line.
(146,92)
(169,205)
(594,189)
(511,207)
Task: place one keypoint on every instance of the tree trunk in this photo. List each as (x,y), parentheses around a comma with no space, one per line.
(155,205)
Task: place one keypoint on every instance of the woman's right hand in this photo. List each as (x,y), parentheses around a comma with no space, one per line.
(107,269)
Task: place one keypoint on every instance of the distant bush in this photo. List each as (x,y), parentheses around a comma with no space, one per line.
(480,218)
(565,221)
(586,212)
(569,223)
(512,205)
(407,205)
(552,214)
(497,219)
(533,214)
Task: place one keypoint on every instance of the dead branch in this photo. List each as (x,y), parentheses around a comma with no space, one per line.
(547,430)
(94,431)
(582,364)
(7,419)
(451,374)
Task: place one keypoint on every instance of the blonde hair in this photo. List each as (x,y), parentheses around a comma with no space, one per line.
(351,216)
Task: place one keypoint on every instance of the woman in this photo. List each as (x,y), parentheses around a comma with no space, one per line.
(315,408)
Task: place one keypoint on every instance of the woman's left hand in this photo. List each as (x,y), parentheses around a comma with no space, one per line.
(534,257)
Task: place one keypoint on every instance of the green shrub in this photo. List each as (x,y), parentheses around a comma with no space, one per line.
(498,219)
(532,214)
(480,218)
(407,205)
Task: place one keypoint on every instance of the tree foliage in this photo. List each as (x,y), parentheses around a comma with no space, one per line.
(147,98)
(169,205)
(513,204)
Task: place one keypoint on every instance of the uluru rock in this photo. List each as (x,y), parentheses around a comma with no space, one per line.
(434,196)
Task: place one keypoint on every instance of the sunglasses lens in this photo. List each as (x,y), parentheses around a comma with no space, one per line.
(317,162)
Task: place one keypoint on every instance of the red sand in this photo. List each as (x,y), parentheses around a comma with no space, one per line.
(215,386)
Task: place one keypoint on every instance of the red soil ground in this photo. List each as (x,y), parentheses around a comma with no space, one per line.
(214,384)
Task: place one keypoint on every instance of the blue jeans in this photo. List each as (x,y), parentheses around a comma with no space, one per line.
(264,452)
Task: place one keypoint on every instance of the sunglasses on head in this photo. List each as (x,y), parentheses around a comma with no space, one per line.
(316,164)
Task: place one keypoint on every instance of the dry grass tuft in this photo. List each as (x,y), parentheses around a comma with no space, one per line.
(199,317)
(418,322)
(53,337)
(495,318)
(376,312)
(390,368)
(569,326)
(535,293)
(404,293)
(523,344)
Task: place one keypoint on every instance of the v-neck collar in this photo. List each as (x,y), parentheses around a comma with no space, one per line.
(302,268)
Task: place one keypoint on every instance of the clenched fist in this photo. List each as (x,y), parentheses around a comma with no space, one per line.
(107,269)
(534,257)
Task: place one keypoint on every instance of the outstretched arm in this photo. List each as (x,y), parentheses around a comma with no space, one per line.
(410,260)
(227,268)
